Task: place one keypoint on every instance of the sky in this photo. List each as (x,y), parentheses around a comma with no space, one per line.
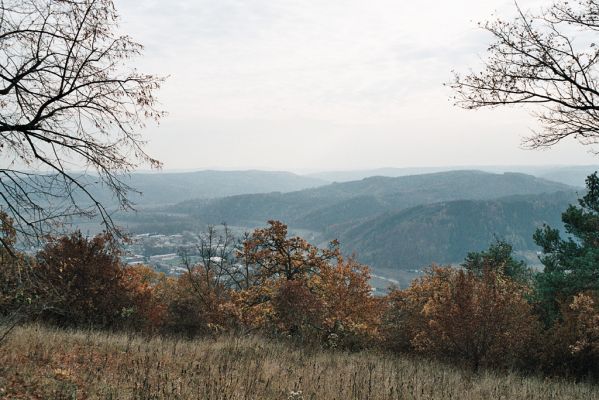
(309,85)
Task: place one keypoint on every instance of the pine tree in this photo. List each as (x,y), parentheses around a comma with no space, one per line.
(572,264)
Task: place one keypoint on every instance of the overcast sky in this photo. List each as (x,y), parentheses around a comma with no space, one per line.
(309,85)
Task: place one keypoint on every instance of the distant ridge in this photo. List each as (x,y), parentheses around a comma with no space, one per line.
(338,203)
(571,175)
(161,188)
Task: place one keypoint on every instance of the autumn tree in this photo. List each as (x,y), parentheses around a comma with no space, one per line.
(402,317)
(13,281)
(304,291)
(146,292)
(457,315)
(351,315)
(83,278)
(571,344)
(216,251)
(297,311)
(18,282)
(546,60)
(68,101)
(196,306)
(200,300)
(274,255)
(586,327)
(334,306)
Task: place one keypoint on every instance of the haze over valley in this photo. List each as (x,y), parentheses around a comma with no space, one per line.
(396,220)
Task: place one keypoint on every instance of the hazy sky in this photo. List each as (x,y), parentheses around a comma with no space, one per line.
(324,84)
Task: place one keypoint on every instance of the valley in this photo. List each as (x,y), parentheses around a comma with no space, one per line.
(396,225)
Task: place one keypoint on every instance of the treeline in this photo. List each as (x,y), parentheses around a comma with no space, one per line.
(494,312)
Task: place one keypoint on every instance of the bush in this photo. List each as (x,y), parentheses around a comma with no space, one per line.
(83,281)
(297,311)
(194,304)
(572,344)
(456,315)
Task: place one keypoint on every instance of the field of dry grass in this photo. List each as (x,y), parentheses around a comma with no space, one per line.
(42,363)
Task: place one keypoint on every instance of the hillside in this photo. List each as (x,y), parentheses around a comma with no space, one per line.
(168,187)
(392,224)
(43,363)
(570,175)
(355,175)
(340,203)
(445,232)
(573,175)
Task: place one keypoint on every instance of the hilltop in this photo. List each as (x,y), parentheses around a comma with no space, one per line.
(574,175)
(319,208)
(161,188)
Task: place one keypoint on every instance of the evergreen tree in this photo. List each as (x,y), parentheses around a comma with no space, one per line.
(572,264)
(498,258)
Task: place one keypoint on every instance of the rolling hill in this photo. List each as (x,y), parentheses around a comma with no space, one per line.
(568,174)
(392,224)
(322,208)
(445,232)
(164,188)
(403,223)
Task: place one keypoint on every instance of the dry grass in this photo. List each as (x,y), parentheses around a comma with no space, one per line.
(42,363)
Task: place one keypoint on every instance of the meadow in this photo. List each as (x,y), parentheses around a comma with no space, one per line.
(38,362)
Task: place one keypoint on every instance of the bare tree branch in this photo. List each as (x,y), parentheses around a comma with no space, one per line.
(548,61)
(68,102)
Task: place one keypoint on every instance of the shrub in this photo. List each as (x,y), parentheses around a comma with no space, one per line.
(572,343)
(83,281)
(195,304)
(456,315)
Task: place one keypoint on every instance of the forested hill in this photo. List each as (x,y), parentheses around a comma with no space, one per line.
(574,175)
(339,203)
(392,224)
(445,232)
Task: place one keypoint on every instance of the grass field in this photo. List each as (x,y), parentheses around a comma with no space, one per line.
(42,363)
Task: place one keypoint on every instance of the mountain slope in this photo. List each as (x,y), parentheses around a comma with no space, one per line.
(339,203)
(445,232)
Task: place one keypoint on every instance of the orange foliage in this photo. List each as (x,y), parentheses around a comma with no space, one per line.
(572,344)
(351,314)
(274,255)
(585,316)
(297,310)
(274,258)
(286,286)
(305,291)
(334,306)
(289,287)
(195,303)
(16,284)
(145,288)
(82,280)
(455,314)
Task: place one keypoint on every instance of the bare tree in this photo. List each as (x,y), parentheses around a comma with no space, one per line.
(68,102)
(547,60)
(218,268)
